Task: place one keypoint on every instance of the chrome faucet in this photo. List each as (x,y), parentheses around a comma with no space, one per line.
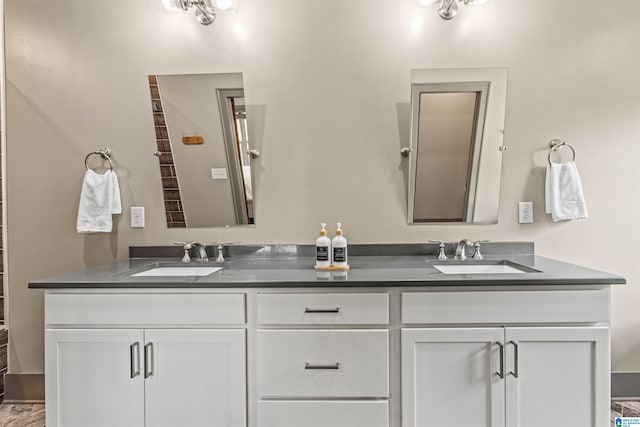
(462,244)
(201,251)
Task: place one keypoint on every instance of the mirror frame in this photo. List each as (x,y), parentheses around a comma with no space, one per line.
(488,141)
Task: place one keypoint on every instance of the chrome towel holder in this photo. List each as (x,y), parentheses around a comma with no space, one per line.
(556,144)
(104,153)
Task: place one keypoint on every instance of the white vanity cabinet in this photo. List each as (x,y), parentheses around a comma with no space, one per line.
(457,369)
(392,356)
(140,360)
(322,360)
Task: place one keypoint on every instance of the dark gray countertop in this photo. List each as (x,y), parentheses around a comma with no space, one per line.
(297,271)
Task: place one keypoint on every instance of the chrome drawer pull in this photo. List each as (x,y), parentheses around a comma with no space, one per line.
(500,373)
(333,366)
(134,357)
(148,360)
(322,310)
(515,359)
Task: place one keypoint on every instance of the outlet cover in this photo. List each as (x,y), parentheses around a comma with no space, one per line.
(525,212)
(137,217)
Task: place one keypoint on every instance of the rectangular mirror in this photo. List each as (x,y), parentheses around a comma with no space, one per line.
(203,149)
(457,121)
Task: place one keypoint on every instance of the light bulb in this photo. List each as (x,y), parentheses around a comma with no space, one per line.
(226,4)
(172,5)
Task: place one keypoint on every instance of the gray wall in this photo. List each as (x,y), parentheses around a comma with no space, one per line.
(328,89)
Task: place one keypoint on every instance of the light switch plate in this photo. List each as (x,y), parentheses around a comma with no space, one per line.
(137,217)
(218,173)
(525,212)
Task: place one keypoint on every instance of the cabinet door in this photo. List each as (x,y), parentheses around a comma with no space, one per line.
(452,376)
(195,378)
(557,377)
(94,378)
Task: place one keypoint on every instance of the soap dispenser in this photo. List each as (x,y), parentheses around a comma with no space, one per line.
(323,249)
(339,244)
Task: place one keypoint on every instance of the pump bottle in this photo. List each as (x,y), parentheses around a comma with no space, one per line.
(339,245)
(323,249)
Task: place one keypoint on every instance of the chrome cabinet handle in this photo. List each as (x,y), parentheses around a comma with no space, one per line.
(515,359)
(148,360)
(500,373)
(322,310)
(134,358)
(332,366)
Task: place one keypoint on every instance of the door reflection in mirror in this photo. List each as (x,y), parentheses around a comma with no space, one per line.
(455,158)
(450,119)
(209,183)
(234,126)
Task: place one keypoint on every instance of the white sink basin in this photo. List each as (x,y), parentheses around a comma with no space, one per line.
(478,269)
(177,271)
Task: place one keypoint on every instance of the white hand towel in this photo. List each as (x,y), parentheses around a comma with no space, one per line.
(99,199)
(116,203)
(564,198)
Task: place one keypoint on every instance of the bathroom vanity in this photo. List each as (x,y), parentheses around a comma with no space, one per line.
(266,341)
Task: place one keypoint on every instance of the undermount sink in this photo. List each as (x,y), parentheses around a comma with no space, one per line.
(177,271)
(488,267)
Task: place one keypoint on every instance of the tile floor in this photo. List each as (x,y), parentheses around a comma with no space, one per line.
(28,415)
(24,415)
(624,409)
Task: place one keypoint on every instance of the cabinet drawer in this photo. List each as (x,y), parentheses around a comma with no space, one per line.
(323,363)
(144,309)
(323,414)
(505,307)
(323,309)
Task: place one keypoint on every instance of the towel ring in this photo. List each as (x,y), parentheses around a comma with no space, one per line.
(557,144)
(105,153)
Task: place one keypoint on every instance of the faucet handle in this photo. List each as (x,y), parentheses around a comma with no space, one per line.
(220,257)
(201,256)
(476,254)
(185,245)
(441,255)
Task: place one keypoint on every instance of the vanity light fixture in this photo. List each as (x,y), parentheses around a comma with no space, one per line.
(205,9)
(448,9)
